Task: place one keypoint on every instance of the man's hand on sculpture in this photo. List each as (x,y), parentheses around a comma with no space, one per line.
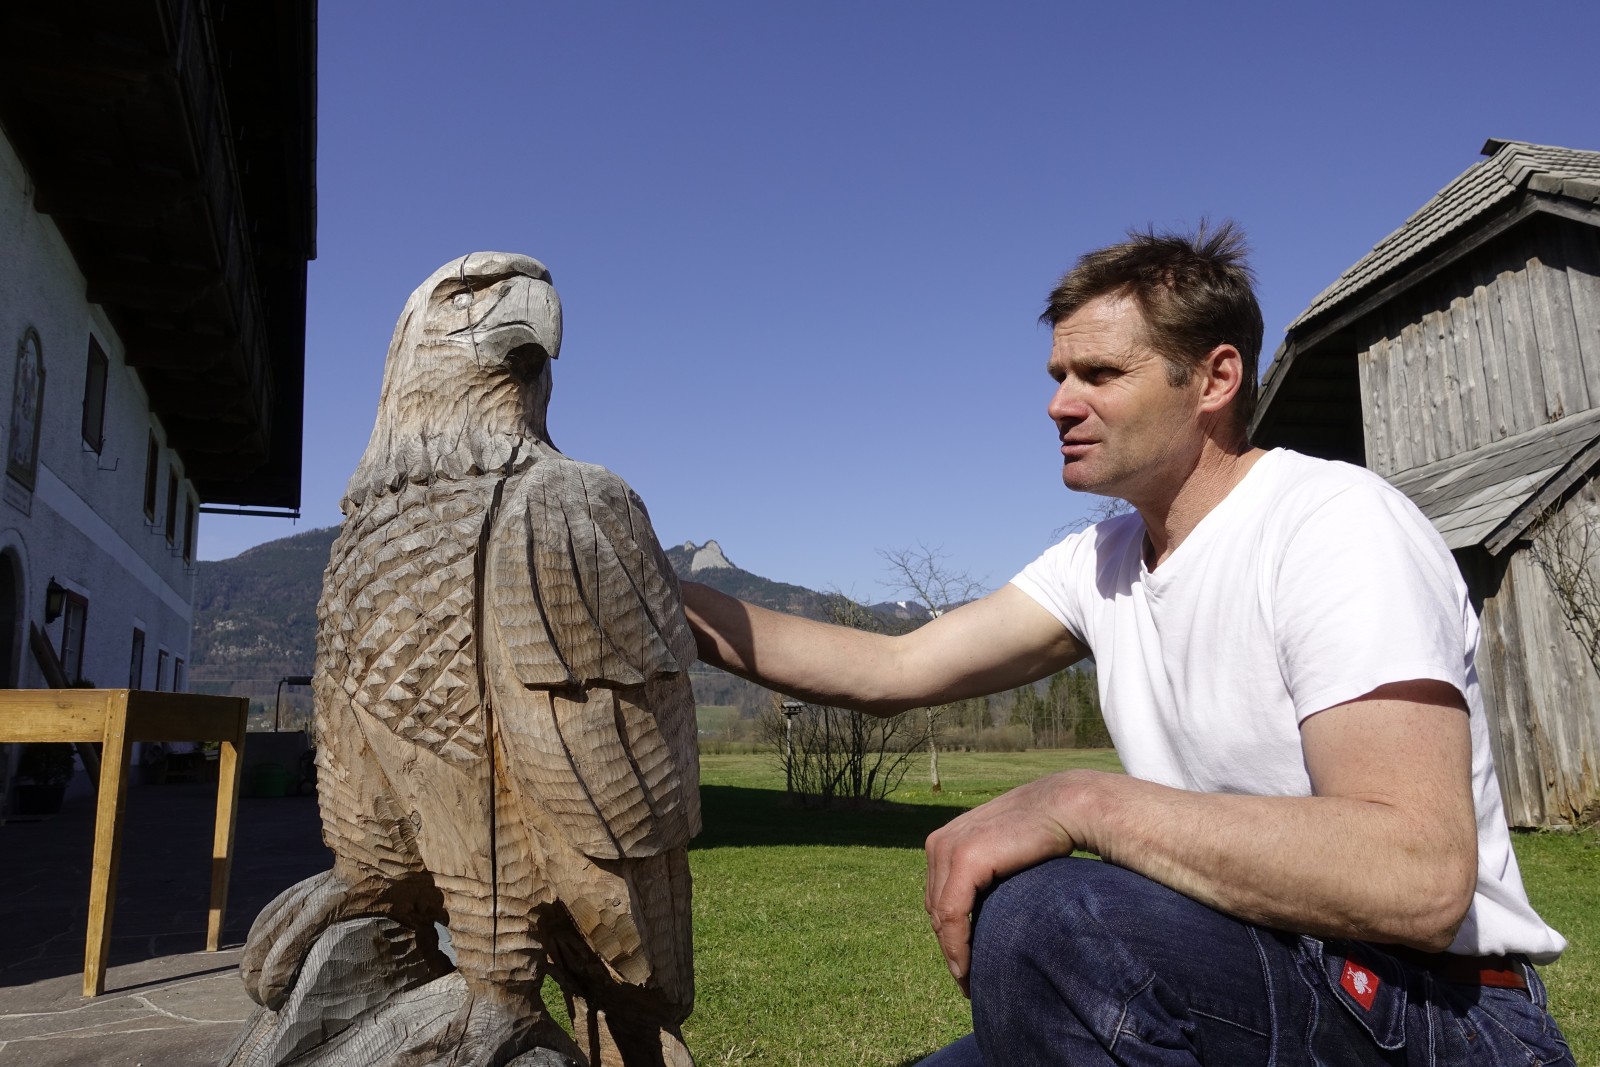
(1014,831)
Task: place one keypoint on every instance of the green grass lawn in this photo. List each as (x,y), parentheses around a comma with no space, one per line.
(712,720)
(1562,875)
(811,945)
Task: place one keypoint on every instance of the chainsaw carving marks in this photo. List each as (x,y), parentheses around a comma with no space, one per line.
(505,728)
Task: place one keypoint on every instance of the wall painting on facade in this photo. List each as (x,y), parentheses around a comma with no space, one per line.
(22,439)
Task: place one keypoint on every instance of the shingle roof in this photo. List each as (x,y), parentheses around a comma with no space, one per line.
(1483,497)
(1511,166)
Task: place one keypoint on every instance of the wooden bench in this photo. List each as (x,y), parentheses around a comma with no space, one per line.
(117,718)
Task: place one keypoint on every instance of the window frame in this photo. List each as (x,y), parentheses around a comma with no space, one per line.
(136,660)
(95,377)
(191,514)
(172,505)
(152,477)
(72,656)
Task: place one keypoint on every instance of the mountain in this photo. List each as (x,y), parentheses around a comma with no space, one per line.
(255,617)
(708,565)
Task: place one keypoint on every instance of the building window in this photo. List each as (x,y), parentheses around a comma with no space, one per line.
(136,661)
(180,678)
(190,518)
(94,398)
(74,627)
(161,666)
(152,473)
(172,505)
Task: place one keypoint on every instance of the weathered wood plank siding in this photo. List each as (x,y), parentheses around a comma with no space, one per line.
(1504,343)
(1581,248)
(1555,333)
(1541,692)
(1478,404)
(1372,369)
(1524,373)
(1448,386)
(1485,307)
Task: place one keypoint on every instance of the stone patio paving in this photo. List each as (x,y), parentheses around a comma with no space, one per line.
(167,1003)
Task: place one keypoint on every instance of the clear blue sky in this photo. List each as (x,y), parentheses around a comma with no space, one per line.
(801,247)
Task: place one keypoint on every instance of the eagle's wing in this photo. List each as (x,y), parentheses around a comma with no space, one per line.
(587,650)
(580,590)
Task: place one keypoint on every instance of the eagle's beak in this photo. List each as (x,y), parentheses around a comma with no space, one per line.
(524,312)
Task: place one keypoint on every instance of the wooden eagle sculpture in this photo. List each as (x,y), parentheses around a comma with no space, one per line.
(504,725)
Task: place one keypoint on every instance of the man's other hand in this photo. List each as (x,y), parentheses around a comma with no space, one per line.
(1010,833)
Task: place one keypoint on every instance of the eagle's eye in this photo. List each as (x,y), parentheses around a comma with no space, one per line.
(462,300)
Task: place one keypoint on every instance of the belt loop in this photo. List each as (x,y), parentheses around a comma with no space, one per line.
(1535,991)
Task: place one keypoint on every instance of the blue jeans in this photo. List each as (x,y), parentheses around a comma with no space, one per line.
(1080,962)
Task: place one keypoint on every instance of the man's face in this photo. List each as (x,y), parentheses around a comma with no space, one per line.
(1125,430)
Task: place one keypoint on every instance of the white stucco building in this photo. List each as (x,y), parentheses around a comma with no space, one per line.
(156,216)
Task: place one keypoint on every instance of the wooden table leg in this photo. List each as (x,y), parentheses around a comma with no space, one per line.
(109,808)
(228,763)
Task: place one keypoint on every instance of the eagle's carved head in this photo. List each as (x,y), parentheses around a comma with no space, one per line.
(467,380)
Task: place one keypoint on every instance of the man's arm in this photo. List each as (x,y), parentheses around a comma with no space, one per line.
(1385,850)
(996,643)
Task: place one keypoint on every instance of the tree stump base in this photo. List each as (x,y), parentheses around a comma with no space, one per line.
(371,991)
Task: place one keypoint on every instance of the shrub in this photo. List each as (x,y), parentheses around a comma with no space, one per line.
(45,763)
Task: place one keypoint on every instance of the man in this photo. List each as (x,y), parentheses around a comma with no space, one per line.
(1307,861)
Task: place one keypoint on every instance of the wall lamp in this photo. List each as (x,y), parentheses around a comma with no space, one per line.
(277,704)
(55,599)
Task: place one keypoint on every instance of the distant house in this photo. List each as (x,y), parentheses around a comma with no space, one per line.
(1460,359)
(156,217)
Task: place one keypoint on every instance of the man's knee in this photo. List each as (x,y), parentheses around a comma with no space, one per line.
(1054,912)
(1080,914)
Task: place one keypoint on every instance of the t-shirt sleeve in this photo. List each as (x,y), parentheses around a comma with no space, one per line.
(1056,580)
(1366,594)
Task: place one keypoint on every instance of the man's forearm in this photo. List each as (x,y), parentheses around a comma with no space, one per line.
(1385,849)
(1327,866)
(830,665)
(992,644)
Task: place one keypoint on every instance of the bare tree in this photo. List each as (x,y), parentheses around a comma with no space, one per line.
(1566,546)
(833,754)
(924,573)
(1107,507)
(1067,714)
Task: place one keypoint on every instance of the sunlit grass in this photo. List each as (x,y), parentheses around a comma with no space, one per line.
(1562,875)
(811,945)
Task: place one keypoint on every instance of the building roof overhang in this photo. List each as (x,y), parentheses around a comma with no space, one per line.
(172,142)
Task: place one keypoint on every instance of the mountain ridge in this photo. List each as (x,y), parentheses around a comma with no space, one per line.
(255,613)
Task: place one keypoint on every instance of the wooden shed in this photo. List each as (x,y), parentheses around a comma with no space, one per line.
(1460,359)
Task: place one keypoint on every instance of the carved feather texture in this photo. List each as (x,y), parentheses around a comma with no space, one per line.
(503,711)
(396,616)
(580,590)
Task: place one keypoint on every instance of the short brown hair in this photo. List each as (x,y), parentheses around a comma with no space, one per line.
(1195,291)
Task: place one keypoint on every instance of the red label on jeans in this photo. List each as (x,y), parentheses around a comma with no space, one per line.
(1360,983)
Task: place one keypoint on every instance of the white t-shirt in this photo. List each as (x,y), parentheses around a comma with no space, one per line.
(1311,584)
